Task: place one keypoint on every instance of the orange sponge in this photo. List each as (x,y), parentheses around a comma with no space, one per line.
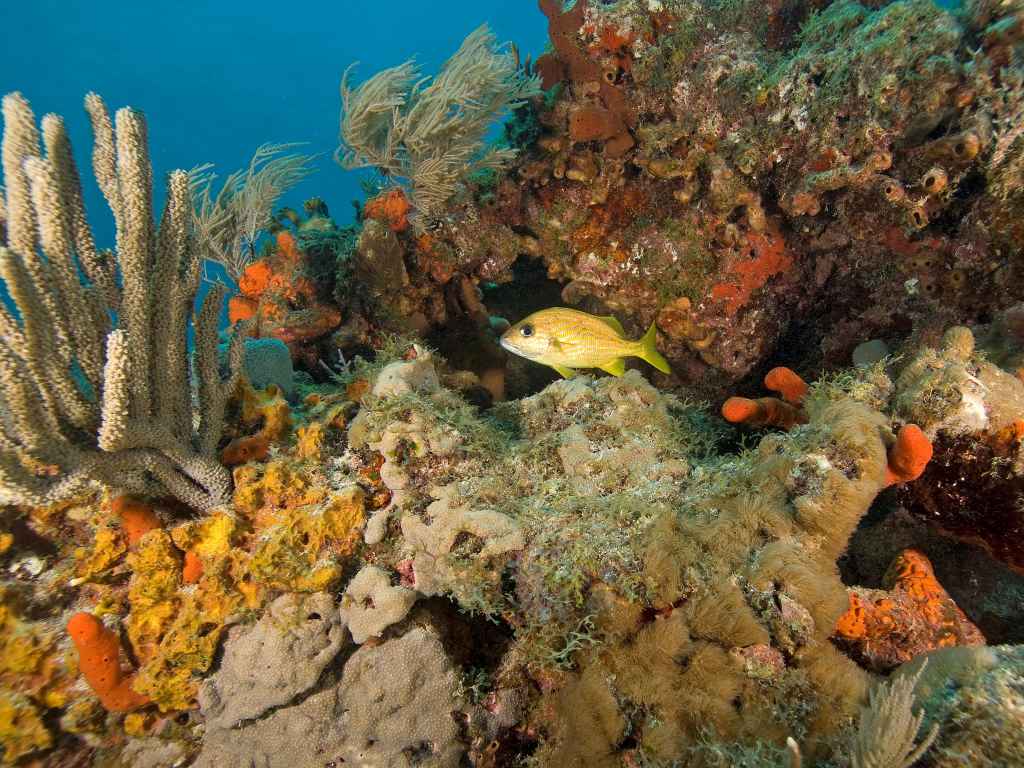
(391,207)
(912,616)
(137,519)
(255,279)
(909,456)
(99,659)
(192,570)
(763,412)
(288,246)
(242,449)
(787,383)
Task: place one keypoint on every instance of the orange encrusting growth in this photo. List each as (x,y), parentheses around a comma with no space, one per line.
(192,569)
(243,449)
(99,659)
(915,615)
(137,519)
(769,257)
(909,456)
(391,207)
(240,308)
(288,246)
(255,279)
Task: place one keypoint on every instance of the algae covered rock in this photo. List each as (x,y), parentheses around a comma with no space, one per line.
(976,698)
(399,700)
(393,707)
(437,566)
(271,663)
(371,604)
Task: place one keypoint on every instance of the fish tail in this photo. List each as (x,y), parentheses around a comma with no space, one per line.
(649,350)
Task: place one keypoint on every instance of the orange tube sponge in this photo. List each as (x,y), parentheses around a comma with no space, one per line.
(763,412)
(787,383)
(99,659)
(137,519)
(909,456)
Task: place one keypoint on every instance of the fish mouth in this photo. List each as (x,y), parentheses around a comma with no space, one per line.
(507,346)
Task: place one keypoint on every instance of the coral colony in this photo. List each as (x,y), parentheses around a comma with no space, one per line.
(367,525)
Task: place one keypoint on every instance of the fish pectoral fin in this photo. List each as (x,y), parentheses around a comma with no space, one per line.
(566,373)
(616,367)
(612,323)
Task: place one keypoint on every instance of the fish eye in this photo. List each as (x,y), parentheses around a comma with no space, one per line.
(526,330)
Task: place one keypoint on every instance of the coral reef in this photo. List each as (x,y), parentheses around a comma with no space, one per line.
(747,187)
(358,532)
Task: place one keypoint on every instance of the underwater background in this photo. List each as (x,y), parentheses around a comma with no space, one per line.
(635,384)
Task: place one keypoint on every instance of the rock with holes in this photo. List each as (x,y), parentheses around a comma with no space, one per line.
(274,661)
(399,701)
(394,707)
(151,752)
(439,561)
(371,604)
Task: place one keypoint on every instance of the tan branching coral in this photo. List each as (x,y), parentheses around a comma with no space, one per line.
(433,133)
(229,223)
(84,402)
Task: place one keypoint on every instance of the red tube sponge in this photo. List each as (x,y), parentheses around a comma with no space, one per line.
(99,659)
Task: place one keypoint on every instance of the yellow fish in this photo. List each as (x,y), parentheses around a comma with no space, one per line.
(567,339)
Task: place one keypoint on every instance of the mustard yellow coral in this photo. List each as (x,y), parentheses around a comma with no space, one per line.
(173,630)
(29,659)
(279,483)
(300,544)
(267,406)
(107,548)
(21,728)
(211,537)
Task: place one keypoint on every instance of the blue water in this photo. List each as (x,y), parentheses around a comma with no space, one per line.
(220,78)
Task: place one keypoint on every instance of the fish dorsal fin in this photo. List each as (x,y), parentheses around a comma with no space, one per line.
(616,367)
(612,323)
(566,373)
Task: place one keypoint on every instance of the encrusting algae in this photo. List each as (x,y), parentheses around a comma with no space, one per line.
(362,527)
